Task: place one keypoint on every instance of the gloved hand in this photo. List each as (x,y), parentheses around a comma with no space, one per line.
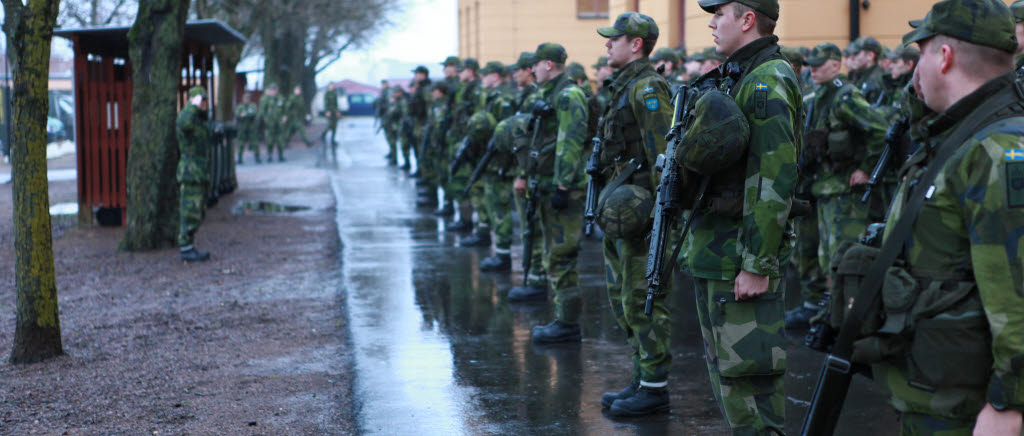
(560,199)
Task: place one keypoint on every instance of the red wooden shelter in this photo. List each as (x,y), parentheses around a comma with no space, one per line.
(103,102)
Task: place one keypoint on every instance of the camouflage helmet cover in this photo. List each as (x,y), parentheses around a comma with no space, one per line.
(512,132)
(480,127)
(625,212)
(718,136)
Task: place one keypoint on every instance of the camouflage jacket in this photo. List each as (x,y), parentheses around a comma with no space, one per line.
(500,102)
(245,114)
(295,108)
(561,162)
(894,89)
(869,81)
(193,132)
(973,221)
(635,123)
(718,246)
(436,145)
(525,98)
(467,101)
(851,136)
(271,110)
(603,96)
(331,104)
(418,106)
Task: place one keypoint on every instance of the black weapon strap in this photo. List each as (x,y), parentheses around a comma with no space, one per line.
(839,359)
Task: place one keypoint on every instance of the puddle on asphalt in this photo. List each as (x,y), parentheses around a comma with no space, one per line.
(265,207)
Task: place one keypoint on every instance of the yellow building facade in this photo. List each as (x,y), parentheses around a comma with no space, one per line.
(501,29)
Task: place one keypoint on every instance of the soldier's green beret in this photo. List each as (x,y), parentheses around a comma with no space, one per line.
(576,71)
(632,24)
(470,63)
(421,69)
(603,61)
(550,51)
(868,43)
(1017,8)
(982,22)
(451,61)
(526,60)
(494,67)
(823,52)
(196,90)
(665,54)
(768,7)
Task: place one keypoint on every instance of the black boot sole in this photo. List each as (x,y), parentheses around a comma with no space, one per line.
(622,413)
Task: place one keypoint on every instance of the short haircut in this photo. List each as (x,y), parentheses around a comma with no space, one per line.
(765,26)
(979,58)
(649,46)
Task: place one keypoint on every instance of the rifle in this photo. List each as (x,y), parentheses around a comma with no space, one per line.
(479,170)
(425,142)
(892,137)
(666,206)
(594,170)
(530,209)
(461,155)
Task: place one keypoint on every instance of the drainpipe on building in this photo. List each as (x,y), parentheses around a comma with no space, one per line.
(854,19)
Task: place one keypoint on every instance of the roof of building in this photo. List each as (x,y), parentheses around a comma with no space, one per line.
(114,40)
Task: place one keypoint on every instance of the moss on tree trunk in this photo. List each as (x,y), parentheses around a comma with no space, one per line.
(155,49)
(29,30)
(227,60)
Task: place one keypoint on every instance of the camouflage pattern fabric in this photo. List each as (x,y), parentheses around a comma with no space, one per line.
(506,134)
(398,116)
(634,126)
(912,424)
(870,81)
(271,113)
(430,158)
(418,108)
(191,211)
(465,103)
(498,203)
(1019,67)
(841,218)
(805,257)
(562,231)
(193,132)
(569,121)
(248,128)
(973,221)
(295,109)
(332,112)
(745,349)
(538,274)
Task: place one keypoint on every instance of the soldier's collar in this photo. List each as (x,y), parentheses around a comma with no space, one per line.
(620,79)
(751,50)
(962,108)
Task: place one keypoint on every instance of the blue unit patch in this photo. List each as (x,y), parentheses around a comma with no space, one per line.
(652,103)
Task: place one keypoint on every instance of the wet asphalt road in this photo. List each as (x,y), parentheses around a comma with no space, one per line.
(440,351)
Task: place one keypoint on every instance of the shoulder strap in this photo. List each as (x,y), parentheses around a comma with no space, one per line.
(871,287)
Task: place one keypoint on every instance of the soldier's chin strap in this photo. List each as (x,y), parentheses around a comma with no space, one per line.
(834,380)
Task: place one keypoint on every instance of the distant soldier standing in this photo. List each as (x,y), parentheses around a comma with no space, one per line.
(193,174)
(333,114)
(272,115)
(868,76)
(248,127)
(295,116)
(384,108)
(632,132)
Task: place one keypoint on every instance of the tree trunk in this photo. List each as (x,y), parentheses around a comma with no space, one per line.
(227,59)
(155,49)
(29,30)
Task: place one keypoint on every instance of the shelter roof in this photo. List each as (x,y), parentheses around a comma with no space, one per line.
(113,40)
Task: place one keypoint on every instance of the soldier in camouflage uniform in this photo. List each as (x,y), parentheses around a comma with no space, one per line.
(633,131)
(602,72)
(1017,8)
(384,108)
(578,74)
(845,138)
(467,99)
(902,63)
(248,127)
(735,254)
(393,122)
(193,174)
(272,115)
(555,165)
(667,62)
(962,371)
(431,154)
(867,76)
(295,116)
(416,113)
(333,113)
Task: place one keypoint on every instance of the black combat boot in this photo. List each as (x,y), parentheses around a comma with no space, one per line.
(477,239)
(644,401)
(609,397)
(405,166)
(520,294)
(497,263)
(193,255)
(458,226)
(280,157)
(556,331)
(800,317)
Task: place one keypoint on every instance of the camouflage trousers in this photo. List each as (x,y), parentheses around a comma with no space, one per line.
(625,264)
(913,424)
(428,164)
(406,143)
(537,276)
(746,354)
(805,258)
(297,126)
(562,230)
(331,131)
(840,218)
(392,137)
(248,137)
(478,198)
(277,137)
(191,211)
(498,202)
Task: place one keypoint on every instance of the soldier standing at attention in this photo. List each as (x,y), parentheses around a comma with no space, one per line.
(248,127)
(963,370)
(418,109)
(556,184)
(383,104)
(602,72)
(868,75)
(272,115)
(666,62)
(467,99)
(845,139)
(632,132)
(736,254)
(295,116)
(193,174)
(333,113)
(1017,8)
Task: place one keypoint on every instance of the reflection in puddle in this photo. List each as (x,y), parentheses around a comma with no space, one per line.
(265,207)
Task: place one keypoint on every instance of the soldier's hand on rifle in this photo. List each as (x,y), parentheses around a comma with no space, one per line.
(519,186)
(560,199)
(858,177)
(749,285)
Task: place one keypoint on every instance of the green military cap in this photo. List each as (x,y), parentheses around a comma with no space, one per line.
(794,56)
(823,52)
(526,60)
(451,61)
(632,24)
(550,51)
(603,61)
(868,43)
(441,85)
(471,64)
(852,49)
(196,90)
(665,54)
(696,57)
(768,7)
(494,67)
(910,53)
(1017,8)
(982,22)
(271,86)
(576,71)
(894,53)
(711,54)
(421,69)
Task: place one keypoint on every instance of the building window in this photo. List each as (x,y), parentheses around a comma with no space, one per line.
(592,8)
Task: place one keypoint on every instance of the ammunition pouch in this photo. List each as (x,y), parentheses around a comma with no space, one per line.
(934,327)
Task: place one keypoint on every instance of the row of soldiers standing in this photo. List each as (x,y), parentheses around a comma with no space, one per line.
(274,121)
(766,134)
